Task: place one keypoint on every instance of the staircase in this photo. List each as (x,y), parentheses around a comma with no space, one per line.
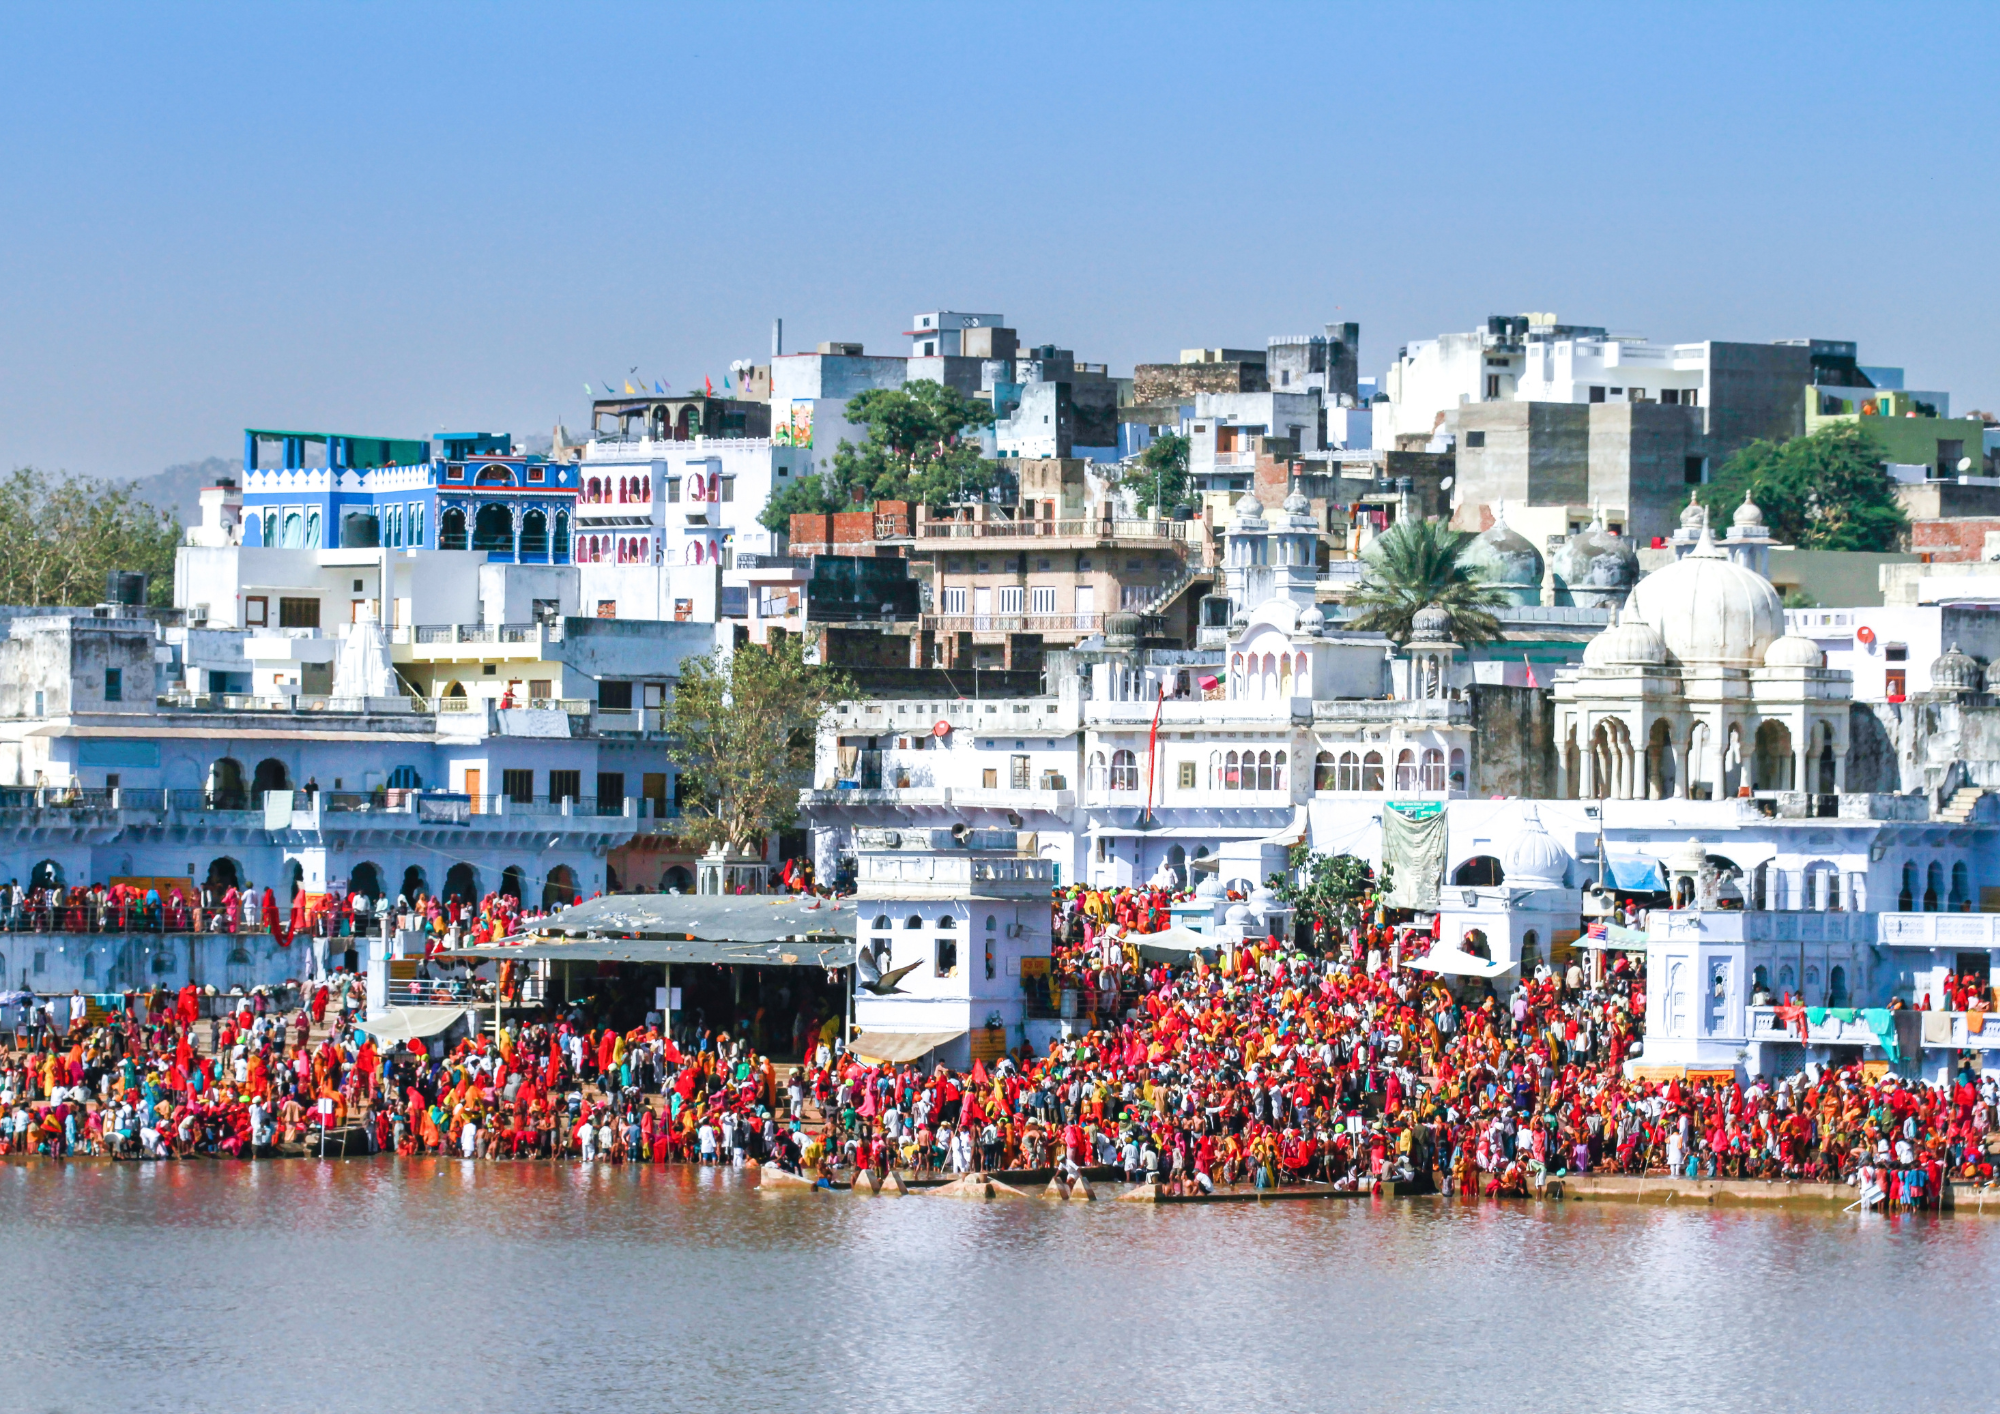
(1958,810)
(1173,590)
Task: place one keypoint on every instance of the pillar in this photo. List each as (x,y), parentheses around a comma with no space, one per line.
(1672,755)
(1719,730)
(1839,771)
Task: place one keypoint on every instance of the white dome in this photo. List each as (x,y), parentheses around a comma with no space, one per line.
(1238,916)
(1535,861)
(1792,651)
(1710,611)
(1629,642)
(1249,509)
(1312,620)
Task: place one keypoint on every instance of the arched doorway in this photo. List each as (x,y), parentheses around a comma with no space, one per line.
(451,529)
(47,874)
(1482,871)
(513,882)
(295,880)
(677,880)
(559,890)
(534,535)
(493,528)
(561,546)
(1660,768)
(461,881)
(226,790)
(223,875)
(1772,767)
(415,885)
(365,879)
(271,775)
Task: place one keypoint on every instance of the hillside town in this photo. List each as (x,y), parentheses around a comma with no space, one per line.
(1667,820)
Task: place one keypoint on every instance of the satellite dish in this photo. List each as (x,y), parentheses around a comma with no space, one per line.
(1445,485)
(1964,465)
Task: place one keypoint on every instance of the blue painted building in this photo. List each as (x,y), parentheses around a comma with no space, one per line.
(462,491)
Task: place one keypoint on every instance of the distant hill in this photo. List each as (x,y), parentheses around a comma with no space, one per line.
(178,488)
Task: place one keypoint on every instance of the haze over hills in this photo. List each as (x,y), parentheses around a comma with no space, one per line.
(178,488)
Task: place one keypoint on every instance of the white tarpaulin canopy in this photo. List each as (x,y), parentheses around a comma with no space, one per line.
(899,1046)
(364,669)
(1458,964)
(396,1024)
(1177,941)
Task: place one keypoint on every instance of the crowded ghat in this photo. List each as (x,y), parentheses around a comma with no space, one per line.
(1262,1067)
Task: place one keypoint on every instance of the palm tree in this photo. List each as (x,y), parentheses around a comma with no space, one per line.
(1415,564)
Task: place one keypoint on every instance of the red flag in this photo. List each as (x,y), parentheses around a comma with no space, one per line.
(710,387)
(978,1072)
(1531,671)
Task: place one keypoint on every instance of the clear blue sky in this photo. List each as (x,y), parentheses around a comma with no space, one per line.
(395,218)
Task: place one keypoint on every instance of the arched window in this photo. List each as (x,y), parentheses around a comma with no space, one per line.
(591,491)
(417,526)
(646,489)
(535,534)
(1285,677)
(992,923)
(493,528)
(1836,987)
(561,546)
(1433,773)
(1349,775)
(1124,770)
(312,530)
(1215,777)
(1406,769)
(1482,871)
(1933,887)
(1961,888)
(1907,899)
(948,921)
(694,552)
(1263,770)
(882,920)
(913,921)
(295,531)
(270,527)
(1371,771)
(451,529)
(1097,776)
(1232,775)
(1323,772)
(1531,952)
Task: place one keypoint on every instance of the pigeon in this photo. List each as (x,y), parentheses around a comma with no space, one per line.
(874,979)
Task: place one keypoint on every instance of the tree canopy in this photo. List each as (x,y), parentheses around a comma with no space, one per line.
(61,535)
(1331,892)
(1827,491)
(916,450)
(1160,477)
(1416,563)
(743,727)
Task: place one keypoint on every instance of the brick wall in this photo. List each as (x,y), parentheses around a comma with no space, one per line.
(1953,539)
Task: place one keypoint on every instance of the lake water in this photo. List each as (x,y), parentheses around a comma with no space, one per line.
(433,1284)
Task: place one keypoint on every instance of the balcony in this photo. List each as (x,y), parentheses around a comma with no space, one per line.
(1088,531)
(1048,625)
(1832,1030)
(1022,801)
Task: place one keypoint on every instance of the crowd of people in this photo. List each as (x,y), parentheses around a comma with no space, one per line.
(1263,1064)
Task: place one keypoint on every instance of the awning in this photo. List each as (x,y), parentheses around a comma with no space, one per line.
(1293,833)
(734,918)
(1617,938)
(396,1024)
(1458,964)
(1176,941)
(825,950)
(1635,873)
(899,1046)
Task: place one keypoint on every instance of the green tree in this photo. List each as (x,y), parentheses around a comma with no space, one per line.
(916,450)
(61,535)
(1330,891)
(743,728)
(1160,478)
(1824,492)
(1416,563)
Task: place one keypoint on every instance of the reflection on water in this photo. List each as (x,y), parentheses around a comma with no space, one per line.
(438,1284)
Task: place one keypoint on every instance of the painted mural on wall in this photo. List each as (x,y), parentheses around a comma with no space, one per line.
(794,428)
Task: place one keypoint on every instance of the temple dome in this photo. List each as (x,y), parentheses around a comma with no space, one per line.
(1535,860)
(1312,620)
(1710,611)
(1504,559)
(1430,624)
(1791,651)
(1749,515)
(1954,671)
(1596,566)
(1249,510)
(1630,642)
(1122,629)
